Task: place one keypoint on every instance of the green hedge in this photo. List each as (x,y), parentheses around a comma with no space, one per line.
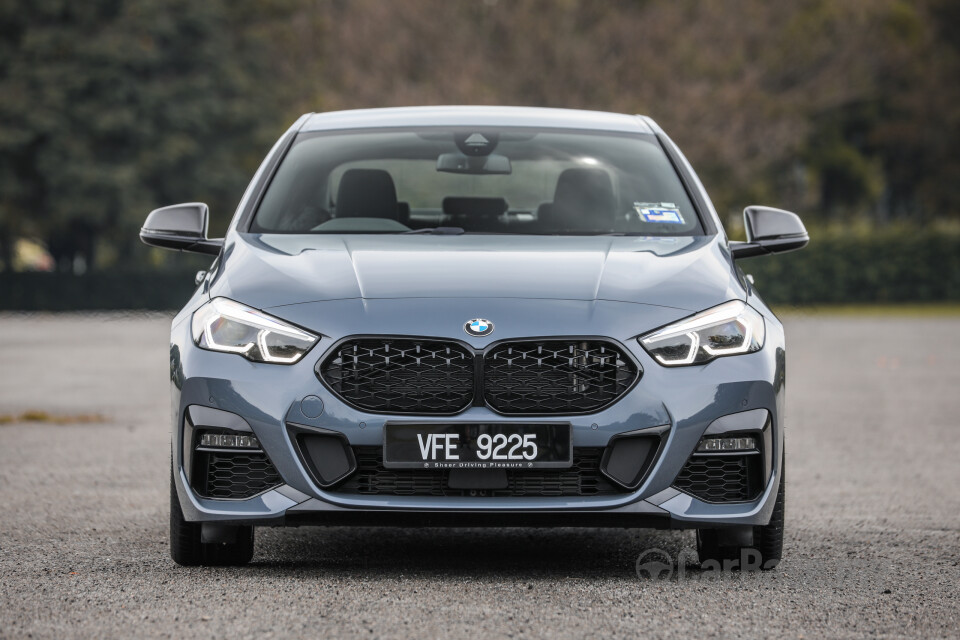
(848,265)
(150,290)
(840,266)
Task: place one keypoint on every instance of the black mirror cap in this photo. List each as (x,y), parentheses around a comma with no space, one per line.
(181,227)
(770,230)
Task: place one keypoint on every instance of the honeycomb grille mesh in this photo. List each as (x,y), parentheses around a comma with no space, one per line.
(239,475)
(555,376)
(393,375)
(720,478)
(401,375)
(582,479)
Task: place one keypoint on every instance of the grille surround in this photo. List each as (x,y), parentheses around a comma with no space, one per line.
(583,479)
(608,363)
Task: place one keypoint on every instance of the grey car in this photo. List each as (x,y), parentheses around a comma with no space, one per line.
(476,316)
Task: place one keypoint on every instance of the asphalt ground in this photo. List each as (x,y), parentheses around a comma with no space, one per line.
(872,542)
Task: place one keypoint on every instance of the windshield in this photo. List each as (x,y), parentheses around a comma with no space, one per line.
(452,181)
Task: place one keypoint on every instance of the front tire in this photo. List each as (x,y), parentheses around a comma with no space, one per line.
(716,545)
(188,549)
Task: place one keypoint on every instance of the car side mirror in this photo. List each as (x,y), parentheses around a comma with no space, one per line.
(182,227)
(770,230)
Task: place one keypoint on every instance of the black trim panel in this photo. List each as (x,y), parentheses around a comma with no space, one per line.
(296,431)
(662,432)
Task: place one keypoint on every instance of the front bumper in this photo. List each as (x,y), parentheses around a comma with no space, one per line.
(726,395)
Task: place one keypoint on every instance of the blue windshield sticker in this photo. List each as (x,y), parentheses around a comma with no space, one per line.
(661,214)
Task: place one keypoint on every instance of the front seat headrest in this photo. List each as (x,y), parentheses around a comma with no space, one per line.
(367,193)
(583,200)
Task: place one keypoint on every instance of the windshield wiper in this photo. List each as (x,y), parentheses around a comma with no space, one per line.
(628,233)
(437,231)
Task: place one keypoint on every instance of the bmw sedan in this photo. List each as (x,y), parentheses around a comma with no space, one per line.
(476,316)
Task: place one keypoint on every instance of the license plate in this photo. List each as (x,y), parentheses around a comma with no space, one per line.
(477,446)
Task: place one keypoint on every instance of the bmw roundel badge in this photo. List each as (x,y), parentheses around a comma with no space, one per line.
(478,327)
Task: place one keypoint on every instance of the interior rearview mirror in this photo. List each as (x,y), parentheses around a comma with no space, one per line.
(492,164)
(770,230)
(181,227)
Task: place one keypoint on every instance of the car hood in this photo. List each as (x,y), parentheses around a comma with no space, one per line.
(271,270)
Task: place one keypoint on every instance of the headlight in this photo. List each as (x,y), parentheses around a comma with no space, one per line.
(726,330)
(228,326)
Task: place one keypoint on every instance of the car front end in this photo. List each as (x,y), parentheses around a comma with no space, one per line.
(639,451)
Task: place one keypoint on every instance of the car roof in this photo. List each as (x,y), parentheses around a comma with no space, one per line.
(467,116)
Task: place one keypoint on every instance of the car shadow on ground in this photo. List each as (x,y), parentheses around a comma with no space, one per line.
(495,552)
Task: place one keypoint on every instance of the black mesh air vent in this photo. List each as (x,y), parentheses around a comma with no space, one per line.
(237,475)
(582,479)
(722,478)
(556,376)
(401,375)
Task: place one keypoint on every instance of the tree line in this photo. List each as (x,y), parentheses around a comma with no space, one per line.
(109,108)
